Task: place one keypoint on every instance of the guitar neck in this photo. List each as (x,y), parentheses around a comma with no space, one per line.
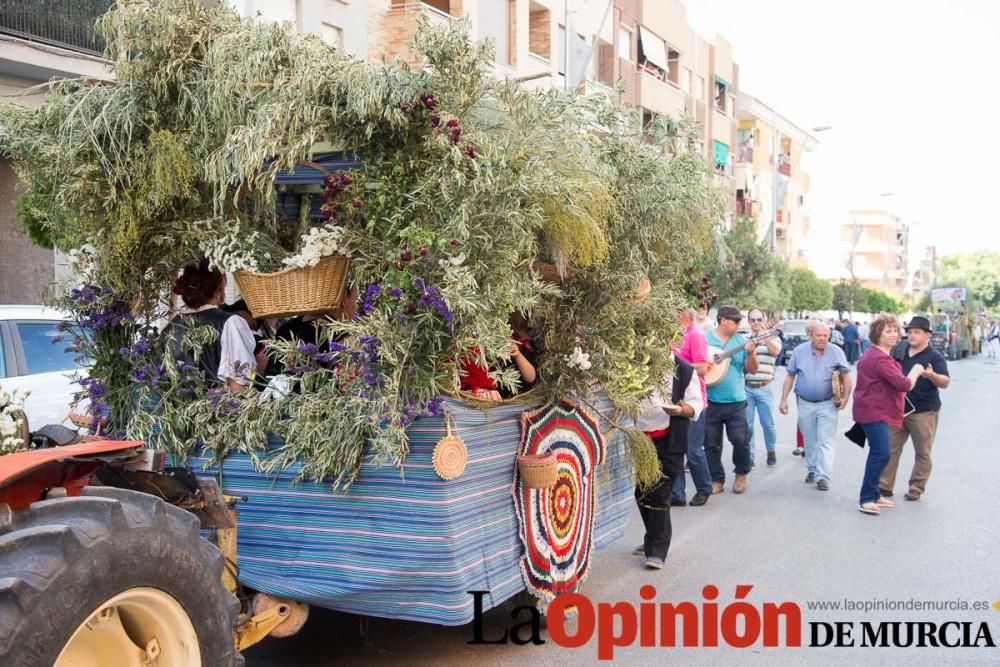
(762,336)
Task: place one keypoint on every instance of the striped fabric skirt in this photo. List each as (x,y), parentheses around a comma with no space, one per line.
(405,543)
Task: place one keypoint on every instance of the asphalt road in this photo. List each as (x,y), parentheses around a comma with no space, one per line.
(783,537)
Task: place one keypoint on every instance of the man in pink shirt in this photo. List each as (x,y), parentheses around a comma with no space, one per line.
(694,350)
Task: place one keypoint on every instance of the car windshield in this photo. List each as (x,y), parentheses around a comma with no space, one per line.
(794,328)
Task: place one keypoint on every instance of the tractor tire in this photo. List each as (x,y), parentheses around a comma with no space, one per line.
(70,565)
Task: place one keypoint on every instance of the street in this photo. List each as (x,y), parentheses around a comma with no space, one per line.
(783,537)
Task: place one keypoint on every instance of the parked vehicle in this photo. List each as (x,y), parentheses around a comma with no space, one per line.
(32,360)
(793,333)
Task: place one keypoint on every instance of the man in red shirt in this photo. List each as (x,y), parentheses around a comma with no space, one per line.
(694,350)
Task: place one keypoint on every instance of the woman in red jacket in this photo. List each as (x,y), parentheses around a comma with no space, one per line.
(878,404)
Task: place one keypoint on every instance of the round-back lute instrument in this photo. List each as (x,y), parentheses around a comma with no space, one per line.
(722,358)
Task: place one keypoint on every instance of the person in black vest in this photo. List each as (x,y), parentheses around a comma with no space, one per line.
(230,359)
(666,422)
(920,409)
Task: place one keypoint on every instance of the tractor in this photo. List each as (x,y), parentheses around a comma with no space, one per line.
(109,558)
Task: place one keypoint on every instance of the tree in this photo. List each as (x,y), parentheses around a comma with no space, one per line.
(808,292)
(742,265)
(978,272)
(849,296)
(880,302)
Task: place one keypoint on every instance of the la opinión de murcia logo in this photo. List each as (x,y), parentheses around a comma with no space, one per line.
(710,624)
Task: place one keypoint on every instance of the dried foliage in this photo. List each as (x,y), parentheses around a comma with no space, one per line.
(467,181)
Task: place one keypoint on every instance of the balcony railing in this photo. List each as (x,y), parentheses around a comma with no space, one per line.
(784,165)
(65,23)
(744,153)
(744,207)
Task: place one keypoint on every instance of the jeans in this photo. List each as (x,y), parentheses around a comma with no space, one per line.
(761,400)
(697,462)
(878,455)
(818,423)
(734,417)
(654,505)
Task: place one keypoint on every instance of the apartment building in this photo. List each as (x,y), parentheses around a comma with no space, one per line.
(39,41)
(874,248)
(924,275)
(343,24)
(769,177)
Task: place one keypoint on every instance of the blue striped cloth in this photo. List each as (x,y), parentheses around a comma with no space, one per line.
(405,544)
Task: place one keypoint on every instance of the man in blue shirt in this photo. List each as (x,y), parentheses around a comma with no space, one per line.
(811,371)
(851,342)
(727,401)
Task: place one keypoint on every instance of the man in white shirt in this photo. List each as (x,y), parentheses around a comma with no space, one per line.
(666,423)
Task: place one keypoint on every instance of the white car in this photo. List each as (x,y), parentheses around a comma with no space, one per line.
(30,360)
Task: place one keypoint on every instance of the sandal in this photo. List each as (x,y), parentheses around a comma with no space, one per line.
(869,508)
(885,502)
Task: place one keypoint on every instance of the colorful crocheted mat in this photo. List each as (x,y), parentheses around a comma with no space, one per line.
(557,524)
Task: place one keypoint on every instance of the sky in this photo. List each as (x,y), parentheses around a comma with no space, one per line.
(910,91)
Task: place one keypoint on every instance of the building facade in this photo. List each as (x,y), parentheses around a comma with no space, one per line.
(769,168)
(874,247)
(41,41)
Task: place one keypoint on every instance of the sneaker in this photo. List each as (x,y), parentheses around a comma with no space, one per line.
(911,495)
(798,452)
(810,478)
(772,458)
(654,563)
(884,493)
(869,508)
(639,550)
(699,499)
(740,484)
(718,487)
(822,485)
(678,502)
(885,502)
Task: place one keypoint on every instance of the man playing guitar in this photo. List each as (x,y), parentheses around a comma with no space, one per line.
(727,401)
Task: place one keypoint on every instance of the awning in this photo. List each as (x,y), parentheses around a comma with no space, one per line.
(720,153)
(653,48)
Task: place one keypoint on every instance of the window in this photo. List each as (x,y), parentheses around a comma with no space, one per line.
(43,350)
(332,35)
(539,31)
(625,44)
(699,88)
(674,66)
(686,80)
(720,153)
(721,95)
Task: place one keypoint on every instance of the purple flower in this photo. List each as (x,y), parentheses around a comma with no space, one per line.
(371,295)
(395,293)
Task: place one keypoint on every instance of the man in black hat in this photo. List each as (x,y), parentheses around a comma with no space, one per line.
(920,415)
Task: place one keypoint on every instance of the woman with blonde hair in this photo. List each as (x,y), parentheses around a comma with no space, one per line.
(878,404)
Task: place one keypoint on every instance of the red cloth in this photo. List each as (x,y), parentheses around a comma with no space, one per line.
(473,376)
(658,434)
(880,389)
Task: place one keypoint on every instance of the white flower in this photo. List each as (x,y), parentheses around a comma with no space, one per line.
(317,243)
(579,359)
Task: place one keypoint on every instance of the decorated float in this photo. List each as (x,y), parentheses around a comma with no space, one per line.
(449,199)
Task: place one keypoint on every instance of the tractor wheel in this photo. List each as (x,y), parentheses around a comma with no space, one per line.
(112,577)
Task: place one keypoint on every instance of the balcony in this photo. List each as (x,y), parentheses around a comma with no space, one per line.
(68,24)
(744,153)
(784,164)
(659,96)
(744,207)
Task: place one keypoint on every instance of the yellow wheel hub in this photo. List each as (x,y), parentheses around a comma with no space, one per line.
(140,627)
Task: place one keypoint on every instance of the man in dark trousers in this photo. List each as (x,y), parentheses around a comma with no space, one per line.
(920,409)
(666,422)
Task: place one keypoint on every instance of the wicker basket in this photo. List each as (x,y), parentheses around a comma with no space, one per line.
(295,291)
(538,471)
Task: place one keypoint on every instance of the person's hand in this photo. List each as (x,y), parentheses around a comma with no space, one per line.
(515,350)
(675,410)
(750,347)
(927,372)
(783,407)
(262,360)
